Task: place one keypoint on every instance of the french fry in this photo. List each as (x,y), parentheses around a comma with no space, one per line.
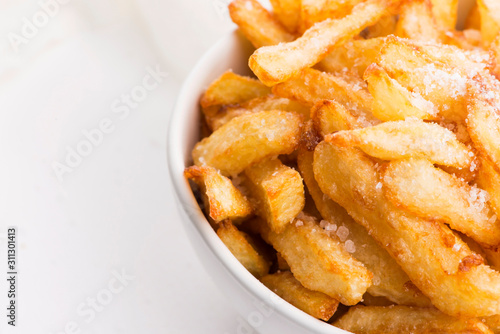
(319,261)
(417,22)
(241,245)
(257,24)
(354,55)
(232,147)
(410,138)
(389,280)
(288,13)
(473,20)
(437,261)
(282,265)
(493,323)
(404,319)
(445,12)
(384,27)
(469,39)
(268,102)
(313,303)
(429,192)
(490,19)
(276,191)
(328,116)
(221,198)
(488,179)
(278,63)
(393,102)
(314,11)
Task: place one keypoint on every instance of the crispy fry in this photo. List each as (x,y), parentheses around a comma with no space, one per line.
(276,191)
(328,116)
(275,64)
(388,277)
(403,139)
(241,245)
(489,11)
(417,22)
(488,179)
(319,261)
(429,192)
(314,303)
(221,198)
(393,102)
(257,24)
(384,27)
(403,319)
(445,12)
(314,11)
(288,13)
(232,147)
(454,278)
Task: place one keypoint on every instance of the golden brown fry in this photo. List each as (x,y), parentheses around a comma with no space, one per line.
(221,198)
(314,11)
(429,192)
(257,24)
(489,11)
(393,102)
(437,261)
(232,147)
(268,102)
(319,261)
(473,20)
(445,12)
(410,138)
(231,88)
(329,116)
(417,22)
(314,303)
(488,179)
(384,27)
(493,323)
(275,64)
(276,191)
(282,265)
(389,279)
(354,55)
(241,245)
(288,13)
(404,319)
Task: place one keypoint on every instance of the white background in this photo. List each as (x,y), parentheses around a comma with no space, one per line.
(114,212)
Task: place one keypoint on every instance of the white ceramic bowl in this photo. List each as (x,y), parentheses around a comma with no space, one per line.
(261,308)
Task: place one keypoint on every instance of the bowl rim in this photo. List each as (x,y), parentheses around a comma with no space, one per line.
(185,197)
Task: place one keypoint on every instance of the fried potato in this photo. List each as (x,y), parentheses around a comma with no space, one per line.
(275,64)
(493,323)
(319,261)
(268,102)
(483,125)
(389,280)
(489,11)
(257,24)
(473,20)
(445,12)
(221,198)
(314,11)
(429,192)
(276,191)
(313,303)
(384,27)
(282,265)
(242,247)
(232,147)
(405,319)
(288,13)
(328,116)
(488,179)
(393,102)
(354,55)
(417,22)
(437,261)
(410,138)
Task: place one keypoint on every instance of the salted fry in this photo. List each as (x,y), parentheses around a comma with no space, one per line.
(493,323)
(313,303)
(445,12)
(241,245)
(393,102)
(429,192)
(437,261)
(403,319)
(319,261)
(488,179)
(221,198)
(417,22)
(389,280)
(404,139)
(288,13)
(274,64)
(329,116)
(232,147)
(489,11)
(257,24)
(314,11)
(276,191)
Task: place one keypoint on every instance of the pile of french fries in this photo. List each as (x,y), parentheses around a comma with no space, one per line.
(362,166)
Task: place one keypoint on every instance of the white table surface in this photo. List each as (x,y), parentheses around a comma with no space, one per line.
(114,212)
